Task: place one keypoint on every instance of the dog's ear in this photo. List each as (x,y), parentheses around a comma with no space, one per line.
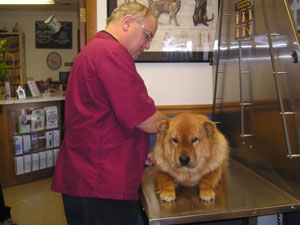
(209,127)
(163,126)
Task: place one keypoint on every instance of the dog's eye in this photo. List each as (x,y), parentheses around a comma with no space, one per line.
(194,139)
(175,140)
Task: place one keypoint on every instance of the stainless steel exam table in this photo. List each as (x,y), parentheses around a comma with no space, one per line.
(241,193)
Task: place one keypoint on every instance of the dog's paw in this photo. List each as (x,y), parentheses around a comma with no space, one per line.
(207,195)
(167,196)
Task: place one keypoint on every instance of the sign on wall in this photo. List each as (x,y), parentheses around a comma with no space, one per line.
(45,38)
(244,27)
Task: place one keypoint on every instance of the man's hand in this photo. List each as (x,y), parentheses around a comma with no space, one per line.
(149,160)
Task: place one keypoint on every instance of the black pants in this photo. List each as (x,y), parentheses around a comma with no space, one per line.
(4,210)
(95,211)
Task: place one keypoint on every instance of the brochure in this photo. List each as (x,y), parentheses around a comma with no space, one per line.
(23,124)
(42,160)
(49,139)
(19,163)
(51,117)
(42,142)
(56,138)
(49,155)
(37,120)
(17,142)
(34,142)
(27,163)
(35,162)
(26,144)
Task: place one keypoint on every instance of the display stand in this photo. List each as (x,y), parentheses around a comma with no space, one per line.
(31,132)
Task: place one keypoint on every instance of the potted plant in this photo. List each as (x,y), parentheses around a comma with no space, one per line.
(3,67)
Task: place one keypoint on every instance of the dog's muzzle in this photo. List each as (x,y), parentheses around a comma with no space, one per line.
(184,160)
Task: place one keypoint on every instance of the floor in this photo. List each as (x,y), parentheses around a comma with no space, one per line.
(35,204)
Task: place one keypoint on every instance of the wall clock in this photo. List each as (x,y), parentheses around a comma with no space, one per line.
(54,60)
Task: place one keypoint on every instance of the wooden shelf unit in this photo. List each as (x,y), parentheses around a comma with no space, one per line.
(8,129)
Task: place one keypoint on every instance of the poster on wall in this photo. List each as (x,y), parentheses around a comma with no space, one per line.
(244,26)
(185,33)
(45,38)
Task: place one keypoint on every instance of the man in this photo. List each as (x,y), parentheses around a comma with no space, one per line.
(5,217)
(108,114)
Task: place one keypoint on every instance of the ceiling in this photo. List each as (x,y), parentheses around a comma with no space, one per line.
(60,5)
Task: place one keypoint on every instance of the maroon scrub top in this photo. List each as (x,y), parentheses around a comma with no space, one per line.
(103,153)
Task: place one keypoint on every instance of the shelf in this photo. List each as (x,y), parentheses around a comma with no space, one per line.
(33,100)
(15,59)
(47,139)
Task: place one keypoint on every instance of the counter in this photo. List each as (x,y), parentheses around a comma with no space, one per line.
(33,100)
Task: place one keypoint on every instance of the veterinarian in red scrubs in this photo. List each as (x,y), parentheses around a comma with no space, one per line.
(108,114)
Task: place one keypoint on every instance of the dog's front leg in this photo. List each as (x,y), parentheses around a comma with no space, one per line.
(175,20)
(208,184)
(165,186)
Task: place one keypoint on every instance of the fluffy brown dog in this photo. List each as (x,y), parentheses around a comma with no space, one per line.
(189,150)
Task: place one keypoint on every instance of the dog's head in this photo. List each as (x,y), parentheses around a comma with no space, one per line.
(186,140)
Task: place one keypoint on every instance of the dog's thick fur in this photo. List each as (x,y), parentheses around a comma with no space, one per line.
(200,13)
(189,150)
(165,6)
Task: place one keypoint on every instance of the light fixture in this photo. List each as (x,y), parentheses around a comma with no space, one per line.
(27,2)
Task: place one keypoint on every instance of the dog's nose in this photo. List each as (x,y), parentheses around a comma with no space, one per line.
(184,159)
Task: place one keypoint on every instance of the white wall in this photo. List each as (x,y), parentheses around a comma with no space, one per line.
(171,83)
(36,59)
(168,83)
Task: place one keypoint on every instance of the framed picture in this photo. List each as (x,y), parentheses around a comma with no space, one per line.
(186,36)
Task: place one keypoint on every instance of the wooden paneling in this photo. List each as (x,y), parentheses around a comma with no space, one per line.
(82,24)
(175,109)
(91,19)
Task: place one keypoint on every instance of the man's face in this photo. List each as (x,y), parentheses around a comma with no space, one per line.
(142,35)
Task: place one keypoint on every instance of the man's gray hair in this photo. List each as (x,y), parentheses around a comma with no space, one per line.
(137,10)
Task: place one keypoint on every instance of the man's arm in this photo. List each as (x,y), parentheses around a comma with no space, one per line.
(150,124)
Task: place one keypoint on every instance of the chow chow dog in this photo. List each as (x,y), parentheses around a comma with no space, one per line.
(189,150)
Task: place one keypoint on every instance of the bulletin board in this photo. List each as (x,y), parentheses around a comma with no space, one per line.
(45,38)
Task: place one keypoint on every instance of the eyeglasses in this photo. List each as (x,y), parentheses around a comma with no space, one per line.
(149,35)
